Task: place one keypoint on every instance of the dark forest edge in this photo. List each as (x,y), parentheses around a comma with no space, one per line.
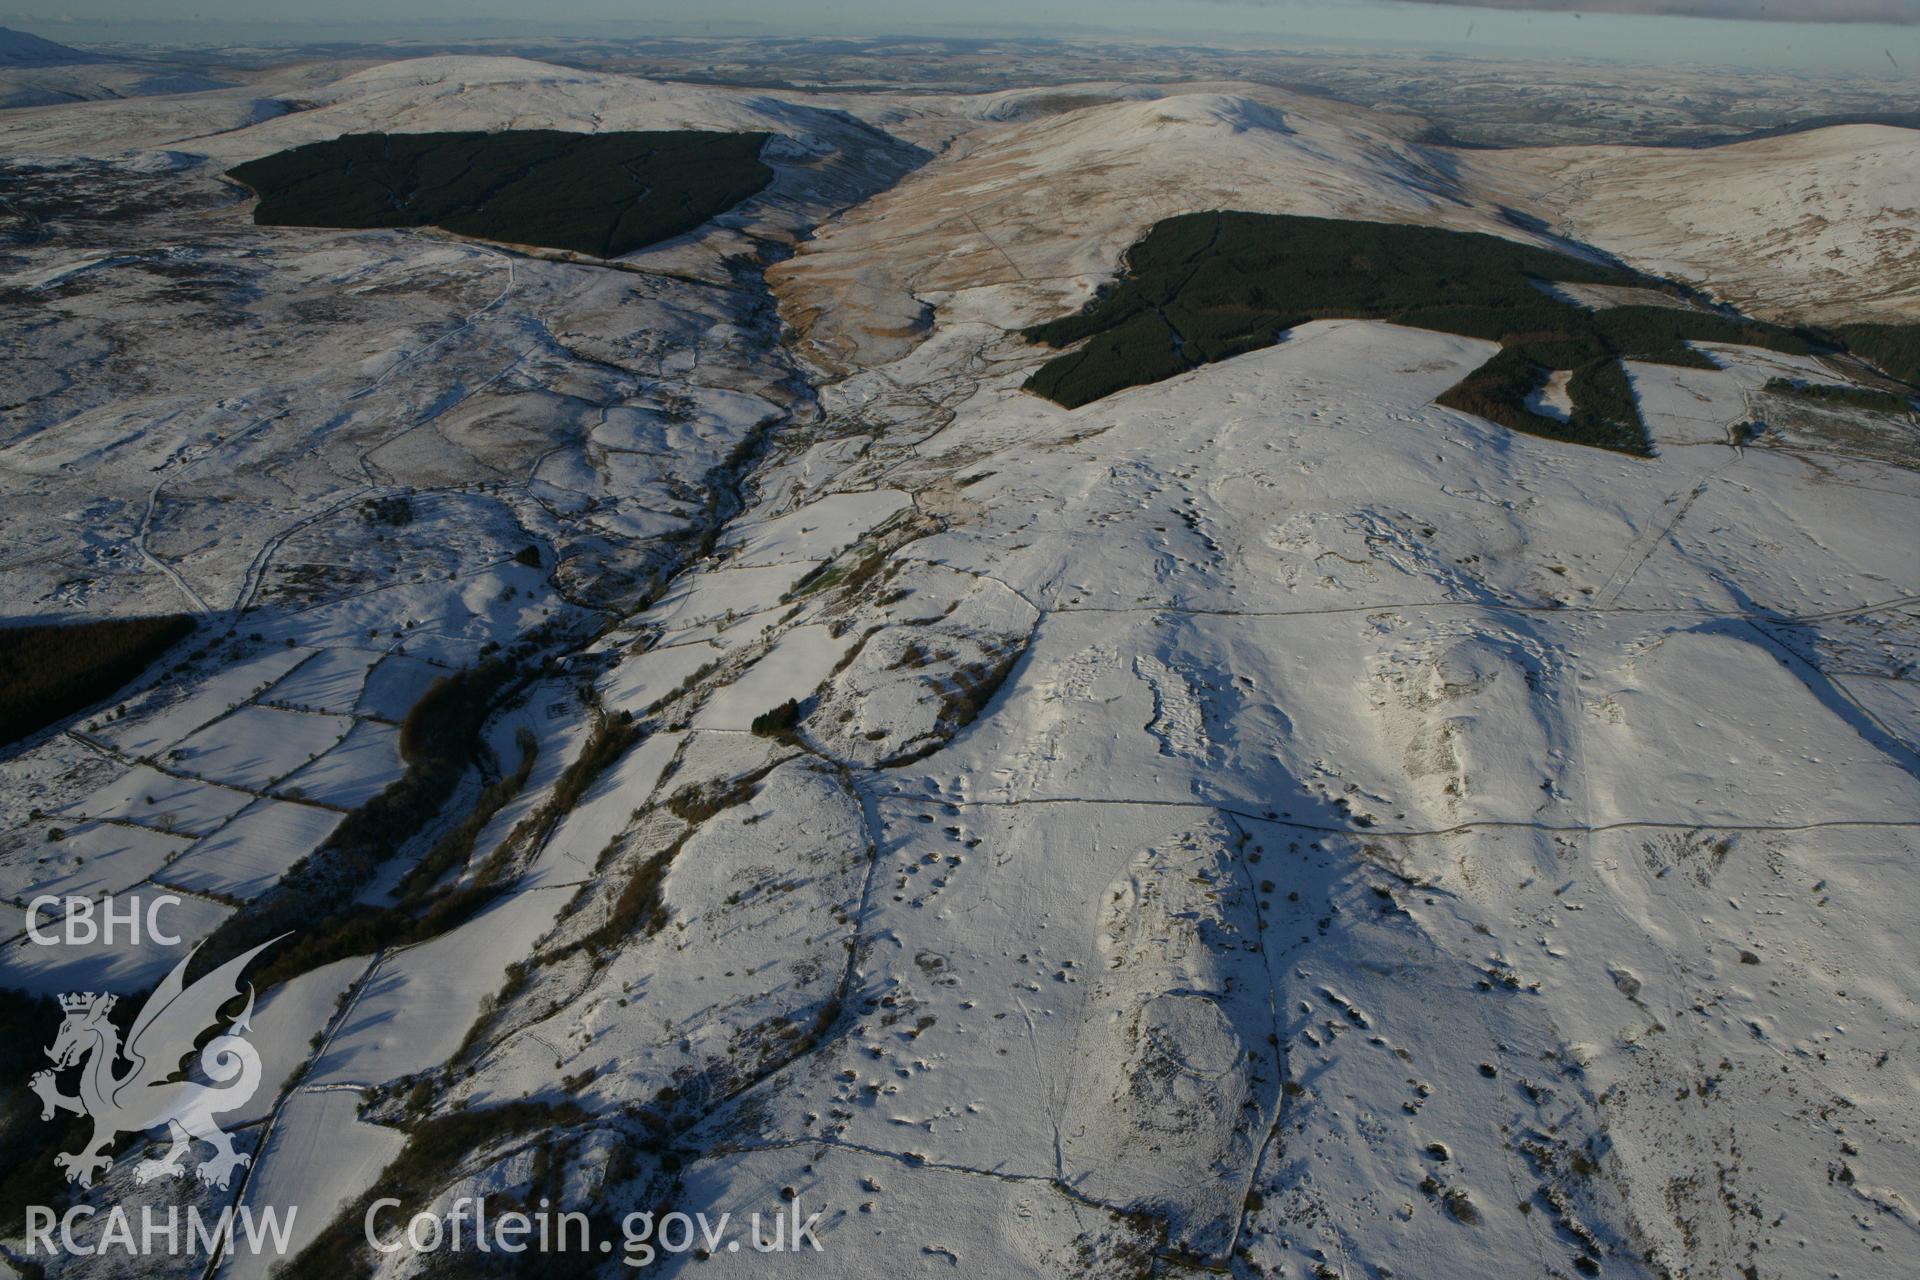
(604,194)
(51,671)
(1205,287)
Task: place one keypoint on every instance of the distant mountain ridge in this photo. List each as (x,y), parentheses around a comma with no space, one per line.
(23,49)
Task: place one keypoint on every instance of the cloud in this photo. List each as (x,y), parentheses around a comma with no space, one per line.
(1895,11)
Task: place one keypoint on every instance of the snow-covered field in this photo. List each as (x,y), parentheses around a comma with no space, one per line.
(1261,822)
(250,853)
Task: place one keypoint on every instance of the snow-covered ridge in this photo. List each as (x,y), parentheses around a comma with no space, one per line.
(1045,207)
(1822,225)
(453,93)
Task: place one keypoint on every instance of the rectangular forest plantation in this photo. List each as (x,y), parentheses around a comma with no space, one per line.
(603,194)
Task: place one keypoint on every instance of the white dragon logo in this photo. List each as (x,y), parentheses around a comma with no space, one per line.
(148,1094)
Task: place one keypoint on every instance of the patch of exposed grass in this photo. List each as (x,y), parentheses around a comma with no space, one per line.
(972,689)
(641,906)
(695,804)
(851,574)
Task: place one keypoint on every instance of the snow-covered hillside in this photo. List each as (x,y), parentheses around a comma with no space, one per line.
(1821,226)
(1041,209)
(1261,823)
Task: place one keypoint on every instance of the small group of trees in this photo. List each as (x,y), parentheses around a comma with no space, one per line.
(1850,397)
(780,721)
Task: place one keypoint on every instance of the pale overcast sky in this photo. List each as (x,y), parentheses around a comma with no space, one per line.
(1871,35)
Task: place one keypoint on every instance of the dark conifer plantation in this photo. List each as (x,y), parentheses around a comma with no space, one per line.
(1207,286)
(603,194)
